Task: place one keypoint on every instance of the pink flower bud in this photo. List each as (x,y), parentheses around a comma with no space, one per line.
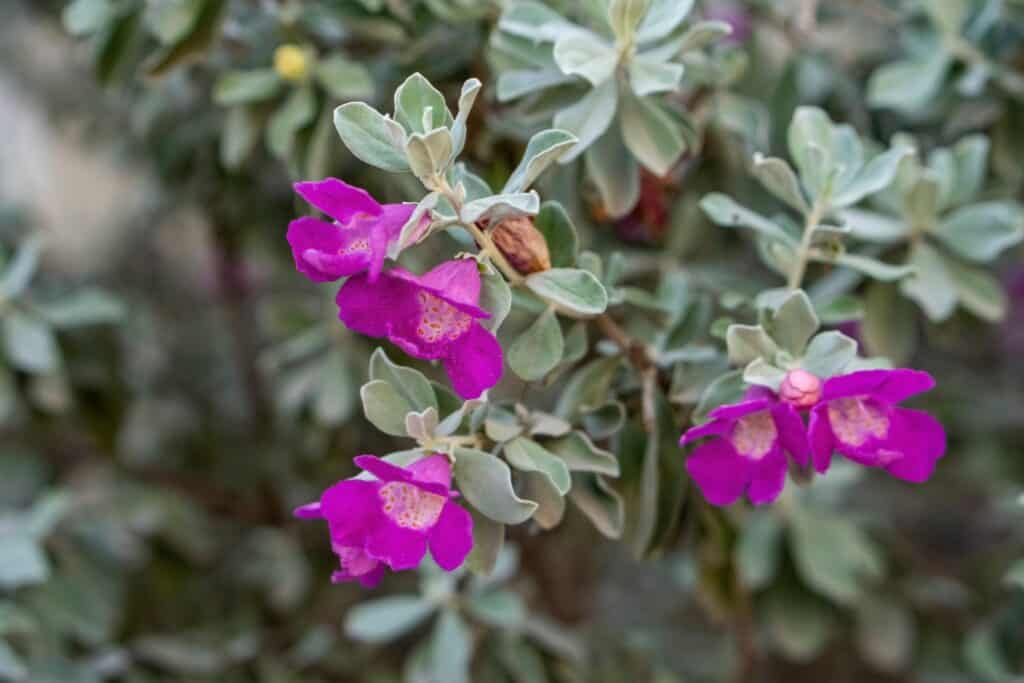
(800,388)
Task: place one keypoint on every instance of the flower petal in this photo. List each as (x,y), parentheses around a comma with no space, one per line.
(891,386)
(474,362)
(734,411)
(436,469)
(458,279)
(715,427)
(719,471)
(311,236)
(792,433)
(372,308)
(309,511)
(451,539)
(351,508)
(768,477)
(382,469)
(922,441)
(400,548)
(338,199)
(820,438)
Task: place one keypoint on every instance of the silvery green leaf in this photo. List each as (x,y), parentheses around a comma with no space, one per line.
(538,349)
(652,134)
(533,20)
(624,17)
(763,374)
(648,76)
(871,178)
(372,137)
(344,79)
(841,309)
(605,421)
(334,398)
(451,648)
(581,455)
(83,17)
(589,118)
(777,176)
(488,540)
(570,290)
(746,343)
(810,146)
(588,388)
(885,631)
(582,53)
(889,327)
(22,267)
(949,15)
(24,562)
(502,425)
(410,383)
(874,227)
(550,503)
(495,297)
(794,322)
(979,292)
(470,89)
(244,87)
(980,232)
(600,502)
(828,354)
(909,85)
(12,668)
(421,426)
(930,285)
(543,149)
(385,407)
(834,556)
(871,267)
(559,232)
(385,619)
(662,18)
(30,343)
(518,82)
(970,156)
(702,34)
(759,549)
(529,456)
(298,111)
(724,211)
(728,388)
(799,625)
(420,107)
(414,230)
(486,481)
(545,424)
(615,173)
(238,139)
(499,206)
(429,153)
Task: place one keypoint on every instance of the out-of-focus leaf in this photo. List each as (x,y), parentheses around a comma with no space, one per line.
(615,172)
(344,79)
(384,619)
(834,556)
(30,343)
(451,649)
(885,634)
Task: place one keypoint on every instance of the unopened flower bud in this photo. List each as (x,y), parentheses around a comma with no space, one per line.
(291,62)
(522,244)
(800,388)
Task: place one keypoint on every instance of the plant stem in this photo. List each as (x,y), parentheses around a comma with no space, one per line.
(641,358)
(796,275)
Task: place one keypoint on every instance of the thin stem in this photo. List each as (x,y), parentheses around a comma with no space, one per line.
(796,275)
(642,359)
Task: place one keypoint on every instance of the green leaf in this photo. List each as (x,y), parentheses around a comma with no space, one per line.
(385,619)
(615,173)
(495,297)
(879,270)
(980,232)
(372,137)
(451,648)
(538,350)
(651,134)
(777,176)
(727,388)
(909,85)
(885,634)
(828,354)
(297,112)
(429,153)
(605,421)
(601,504)
(11,666)
(172,20)
(810,139)
(834,556)
(385,408)
(486,481)
(81,308)
(411,384)
(949,15)
(889,327)
(570,290)
(799,625)
(1015,575)
(488,540)
(22,267)
(559,232)
(763,374)
(650,76)
(624,17)
(244,87)
(588,387)
(702,34)
(930,284)
(873,177)
(529,456)
(239,137)
(84,17)
(501,609)
(413,98)
(724,211)
(550,502)
(874,227)
(980,292)
(498,206)
(533,20)
(29,343)
(543,150)
(794,322)
(748,342)
(334,398)
(662,18)
(24,561)
(581,455)
(193,43)
(467,97)
(589,118)
(970,157)
(518,82)
(759,549)
(582,53)
(344,79)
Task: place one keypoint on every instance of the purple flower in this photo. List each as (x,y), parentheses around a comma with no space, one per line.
(747,453)
(431,316)
(734,15)
(358,239)
(858,417)
(392,519)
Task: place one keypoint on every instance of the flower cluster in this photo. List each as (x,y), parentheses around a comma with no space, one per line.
(855,414)
(391,519)
(434,316)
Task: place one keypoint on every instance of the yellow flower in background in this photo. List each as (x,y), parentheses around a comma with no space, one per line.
(291,62)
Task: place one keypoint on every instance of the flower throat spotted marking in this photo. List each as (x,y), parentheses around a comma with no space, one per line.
(411,507)
(754,434)
(360,245)
(439,320)
(855,420)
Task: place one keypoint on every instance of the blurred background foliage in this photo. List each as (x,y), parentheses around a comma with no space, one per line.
(170,389)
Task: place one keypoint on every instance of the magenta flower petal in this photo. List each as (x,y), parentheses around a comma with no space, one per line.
(719,471)
(451,539)
(922,441)
(458,280)
(709,428)
(364,306)
(819,435)
(734,411)
(351,508)
(309,511)
(400,548)
(382,469)
(435,469)
(768,477)
(474,363)
(792,433)
(338,199)
(891,386)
